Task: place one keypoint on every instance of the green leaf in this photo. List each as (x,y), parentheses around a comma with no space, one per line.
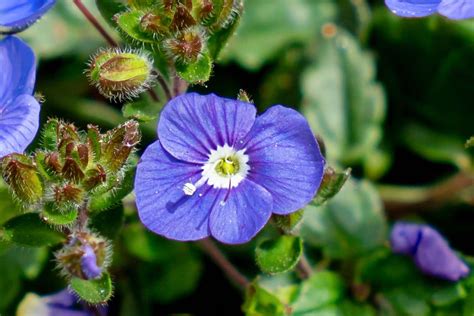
(332,183)
(96,291)
(268,27)
(260,302)
(102,201)
(280,254)
(350,224)
(29,260)
(405,303)
(142,110)
(55,217)
(29,230)
(197,72)
(179,277)
(109,8)
(342,101)
(436,146)
(320,290)
(129,23)
(10,282)
(448,295)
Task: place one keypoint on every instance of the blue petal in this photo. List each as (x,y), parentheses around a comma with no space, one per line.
(16,15)
(241,213)
(435,257)
(18,66)
(19,122)
(457,9)
(89,263)
(413,8)
(284,158)
(192,125)
(405,237)
(162,205)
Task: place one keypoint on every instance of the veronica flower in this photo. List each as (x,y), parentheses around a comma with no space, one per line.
(429,250)
(17,15)
(219,170)
(63,303)
(453,9)
(19,110)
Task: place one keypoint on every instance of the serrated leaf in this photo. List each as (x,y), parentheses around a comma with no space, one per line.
(197,72)
(279,255)
(350,224)
(342,101)
(320,290)
(332,183)
(29,230)
(129,23)
(96,291)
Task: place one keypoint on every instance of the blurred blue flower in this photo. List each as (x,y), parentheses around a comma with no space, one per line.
(429,250)
(219,170)
(19,110)
(63,303)
(453,9)
(89,263)
(17,15)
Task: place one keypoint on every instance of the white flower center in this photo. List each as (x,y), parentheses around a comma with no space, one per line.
(224,169)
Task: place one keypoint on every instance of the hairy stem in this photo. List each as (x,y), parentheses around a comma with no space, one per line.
(210,248)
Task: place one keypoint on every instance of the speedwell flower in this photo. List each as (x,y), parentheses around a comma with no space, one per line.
(219,170)
(429,250)
(17,15)
(453,9)
(19,110)
(63,303)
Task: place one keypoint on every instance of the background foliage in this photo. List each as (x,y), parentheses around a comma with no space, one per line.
(390,97)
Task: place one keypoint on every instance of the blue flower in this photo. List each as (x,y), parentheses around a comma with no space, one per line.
(453,9)
(19,110)
(429,250)
(17,15)
(219,170)
(89,263)
(63,303)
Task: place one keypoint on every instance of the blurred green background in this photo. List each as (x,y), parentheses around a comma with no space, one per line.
(392,98)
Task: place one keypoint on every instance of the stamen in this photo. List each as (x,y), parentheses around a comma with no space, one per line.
(190,189)
(228,191)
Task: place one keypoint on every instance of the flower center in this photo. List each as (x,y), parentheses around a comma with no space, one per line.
(225,169)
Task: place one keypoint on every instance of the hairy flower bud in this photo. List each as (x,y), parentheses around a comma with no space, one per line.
(119,143)
(187,46)
(121,75)
(94,178)
(154,23)
(182,19)
(68,193)
(21,174)
(85,256)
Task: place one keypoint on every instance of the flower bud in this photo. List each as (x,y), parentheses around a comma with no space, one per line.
(85,256)
(21,174)
(121,75)
(182,19)
(119,143)
(72,171)
(153,23)
(67,193)
(94,178)
(187,46)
